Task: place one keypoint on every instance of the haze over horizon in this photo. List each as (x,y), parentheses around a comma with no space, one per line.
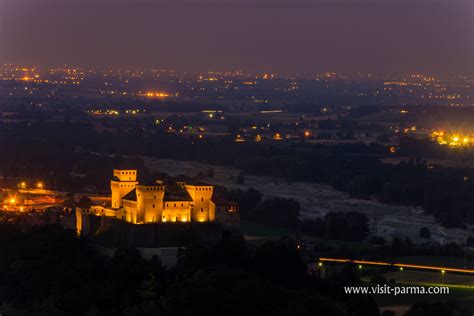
(281,36)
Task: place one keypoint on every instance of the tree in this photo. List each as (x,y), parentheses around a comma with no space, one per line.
(425,233)
(278,212)
(49,271)
(377,240)
(84,202)
(350,226)
(247,200)
(69,201)
(470,241)
(240,178)
(313,227)
(210,173)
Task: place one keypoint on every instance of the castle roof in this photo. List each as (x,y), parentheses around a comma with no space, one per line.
(188,180)
(221,201)
(176,193)
(172,193)
(131,196)
(148,180)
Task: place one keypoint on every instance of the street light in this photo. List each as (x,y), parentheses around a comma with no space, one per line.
(40,185)
(23,185)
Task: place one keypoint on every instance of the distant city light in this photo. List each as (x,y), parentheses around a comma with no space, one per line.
(452,140)
(157,95)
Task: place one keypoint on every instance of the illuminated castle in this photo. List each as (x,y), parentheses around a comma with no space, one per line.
(159,202)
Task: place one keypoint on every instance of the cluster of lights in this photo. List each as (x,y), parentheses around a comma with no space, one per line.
(268,76)
(276,136)
(12,200)
(239,138)
(454,140)
(157,95)
(23,185)
(133,112)
(104,112)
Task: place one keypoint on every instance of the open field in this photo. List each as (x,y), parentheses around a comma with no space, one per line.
(437,162)
(318,199)
(462,296)
(459,281)
(461,289)
(255,230)
(466,263)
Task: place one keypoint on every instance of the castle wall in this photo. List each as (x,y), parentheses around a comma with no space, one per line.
(129,211)
(201,195)
(119,190)
(126,175)
(227,214)
(176,211)
(150,203)
(86,222)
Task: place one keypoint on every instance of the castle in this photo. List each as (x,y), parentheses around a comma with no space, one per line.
(162,202)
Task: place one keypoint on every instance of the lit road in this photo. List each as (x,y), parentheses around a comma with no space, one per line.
(56,193)
(398,265)
(96,199)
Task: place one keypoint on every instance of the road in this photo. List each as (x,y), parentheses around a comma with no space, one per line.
(96,199)
(398,265)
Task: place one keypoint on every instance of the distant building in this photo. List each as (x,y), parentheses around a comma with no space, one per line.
(162,202)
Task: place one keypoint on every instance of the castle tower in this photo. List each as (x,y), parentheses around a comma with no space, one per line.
(150,202)
(201,195)
(122,183)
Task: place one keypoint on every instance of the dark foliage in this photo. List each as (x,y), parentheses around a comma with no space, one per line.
(49,271)
(425,233)
(437,309)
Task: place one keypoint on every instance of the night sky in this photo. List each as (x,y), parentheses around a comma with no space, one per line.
(283,36)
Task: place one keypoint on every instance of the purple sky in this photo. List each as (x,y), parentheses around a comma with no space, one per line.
(285,36)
